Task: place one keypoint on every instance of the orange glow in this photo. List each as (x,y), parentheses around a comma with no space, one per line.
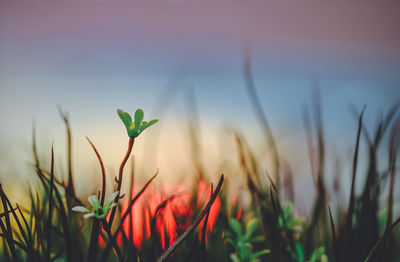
(235,205)
(172,210)
(239,213)
(203,194)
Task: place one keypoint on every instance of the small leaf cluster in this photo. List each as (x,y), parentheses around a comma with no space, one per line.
(243,241)
(99,212)
(317,255)
(134,128)
(288,222)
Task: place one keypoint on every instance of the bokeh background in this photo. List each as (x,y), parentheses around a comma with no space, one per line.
(182,62)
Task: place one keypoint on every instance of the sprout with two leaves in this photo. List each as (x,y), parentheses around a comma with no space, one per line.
(136,127)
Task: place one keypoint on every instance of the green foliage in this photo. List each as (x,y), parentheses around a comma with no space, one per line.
(243,242)
(288,222)
(317,255)
(136,127)
(361,229)
(99,212)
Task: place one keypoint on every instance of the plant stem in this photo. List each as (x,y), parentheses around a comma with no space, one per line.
(123,217)
(48,253)
(120,174)
(111,239)
(96,223)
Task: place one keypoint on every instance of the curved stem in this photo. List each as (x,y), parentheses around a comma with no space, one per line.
(96,223)
(120,174)
(103,172)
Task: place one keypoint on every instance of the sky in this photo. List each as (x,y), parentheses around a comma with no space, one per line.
(92,57)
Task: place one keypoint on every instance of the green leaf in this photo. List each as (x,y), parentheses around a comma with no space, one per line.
(300,252)
(251,226)
(81,209)
(317,254)
(94,202)
(147,124)
(235,258)
(236,227)
(233,243)
(287,211)
(126,119)
(259,238)
(138,119)
(246,251)
(260,253)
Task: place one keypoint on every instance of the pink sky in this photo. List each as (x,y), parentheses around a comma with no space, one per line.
(366,27)
(72,53)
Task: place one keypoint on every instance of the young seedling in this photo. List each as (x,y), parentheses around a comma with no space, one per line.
(135,128)
(288,222)
(317,255)
(99,212)
(243,242)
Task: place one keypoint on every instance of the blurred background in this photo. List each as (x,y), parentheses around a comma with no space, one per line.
(182,62)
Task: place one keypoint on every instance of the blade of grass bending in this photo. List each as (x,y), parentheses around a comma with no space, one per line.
(380,240)
(21,229)
(50,211)
(20,245)
(251,90)
(38,172)
(276,201)
(369,226)
(159,209)
(92,250)
(320,132)
(193,129)
(44,175)
(127,212)
(249,176)
(113,241)
(353,178)
(310,142)
(182,237)
(334,238)
(103,172)
(4,213)
(71,198)
(364,130)
(288,182)
(70,184)
(204,229)
(319,205)
(64,222)
(7,229)
(393,143)
(26,225)
(276,234)
(60,252)
(163,204)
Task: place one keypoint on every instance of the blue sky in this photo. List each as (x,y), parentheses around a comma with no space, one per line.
(92,57)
